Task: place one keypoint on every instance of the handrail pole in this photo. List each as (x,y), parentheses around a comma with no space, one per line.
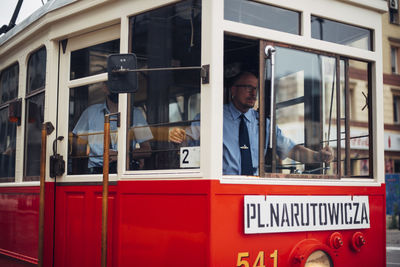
(41,194)
(106,155)
(261,107)
(270,54)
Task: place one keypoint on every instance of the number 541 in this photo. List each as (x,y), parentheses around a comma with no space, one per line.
(242,259)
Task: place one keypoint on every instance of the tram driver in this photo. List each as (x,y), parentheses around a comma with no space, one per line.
(241,126)
(90,127)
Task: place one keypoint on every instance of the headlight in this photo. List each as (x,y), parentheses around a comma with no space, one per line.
(319,258)
(311,253)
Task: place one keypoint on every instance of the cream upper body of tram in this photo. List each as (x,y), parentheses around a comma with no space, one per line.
(326,77)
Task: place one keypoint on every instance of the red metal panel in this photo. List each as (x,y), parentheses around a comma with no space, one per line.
(163,223)
(19,208)
(78,225)
(169,223)
(227,227)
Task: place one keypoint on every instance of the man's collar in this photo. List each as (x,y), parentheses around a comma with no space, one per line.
(104,108)
(236,113)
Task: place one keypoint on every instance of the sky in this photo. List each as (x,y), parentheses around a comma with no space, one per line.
(27,8)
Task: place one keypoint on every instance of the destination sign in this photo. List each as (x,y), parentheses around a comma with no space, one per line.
(277,214)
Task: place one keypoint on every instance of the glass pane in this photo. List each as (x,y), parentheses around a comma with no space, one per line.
(7,147)
(9,83)
(151,119)
(34,120)
(169,36)
(87,107)
(340,33)
(359,119)
(92,60)
(36,70)
(262,15)
(305,112)
(167,100)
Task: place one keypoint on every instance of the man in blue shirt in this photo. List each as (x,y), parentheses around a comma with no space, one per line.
(91,127)
(244,95)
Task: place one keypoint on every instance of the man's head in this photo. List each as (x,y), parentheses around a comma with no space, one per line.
(244,91)
(113,97)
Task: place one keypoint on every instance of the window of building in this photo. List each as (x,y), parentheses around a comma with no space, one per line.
(262,15)
(396,108)
(36,80)
(8,129)
(167,100)
(87,106)
(396,164)
(341,33)
(394,59)
(394,11)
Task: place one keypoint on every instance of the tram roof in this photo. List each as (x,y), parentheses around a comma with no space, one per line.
(47,8)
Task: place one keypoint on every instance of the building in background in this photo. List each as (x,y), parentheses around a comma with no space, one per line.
(391,85)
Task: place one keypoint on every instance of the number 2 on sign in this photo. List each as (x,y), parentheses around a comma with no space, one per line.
(242,260)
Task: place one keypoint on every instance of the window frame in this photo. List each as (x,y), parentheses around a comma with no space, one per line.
(29,94)
(347,127)
(166,173)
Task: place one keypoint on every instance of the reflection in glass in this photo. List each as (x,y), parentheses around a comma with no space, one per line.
(9,83)
(305,106)
(169,37)
(92,60)
(262,15)
(357,156)
(36,70)
(182,110)
(8,132)
(340,33)
(33,128)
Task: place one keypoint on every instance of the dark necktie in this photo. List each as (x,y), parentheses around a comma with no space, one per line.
(244,145)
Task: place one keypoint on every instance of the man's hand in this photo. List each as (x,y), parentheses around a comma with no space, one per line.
(177,135)
(326,154)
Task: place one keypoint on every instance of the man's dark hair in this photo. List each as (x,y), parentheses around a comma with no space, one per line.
(234,79)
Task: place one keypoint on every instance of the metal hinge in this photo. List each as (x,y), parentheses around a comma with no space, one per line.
(205,74)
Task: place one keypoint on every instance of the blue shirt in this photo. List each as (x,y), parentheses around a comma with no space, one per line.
(91,123)
(231,150)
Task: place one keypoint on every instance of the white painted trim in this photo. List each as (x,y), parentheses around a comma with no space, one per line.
(20,184)
(299,182)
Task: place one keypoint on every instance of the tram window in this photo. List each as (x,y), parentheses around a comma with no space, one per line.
(36,70)
(169,37)
(36,78)
(9,83)
(305,111)
(92,60)
(8,129)
(356,159)
(7,147)
(262,15)
(341,33)
(33,127)
(87,107)
(318,130)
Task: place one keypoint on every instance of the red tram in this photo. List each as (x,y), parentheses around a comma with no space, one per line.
(144,69)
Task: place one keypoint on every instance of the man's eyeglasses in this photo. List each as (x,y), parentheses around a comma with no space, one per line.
(249,88)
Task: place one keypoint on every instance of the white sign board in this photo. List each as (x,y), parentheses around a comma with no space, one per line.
(190,157)
(277,214)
